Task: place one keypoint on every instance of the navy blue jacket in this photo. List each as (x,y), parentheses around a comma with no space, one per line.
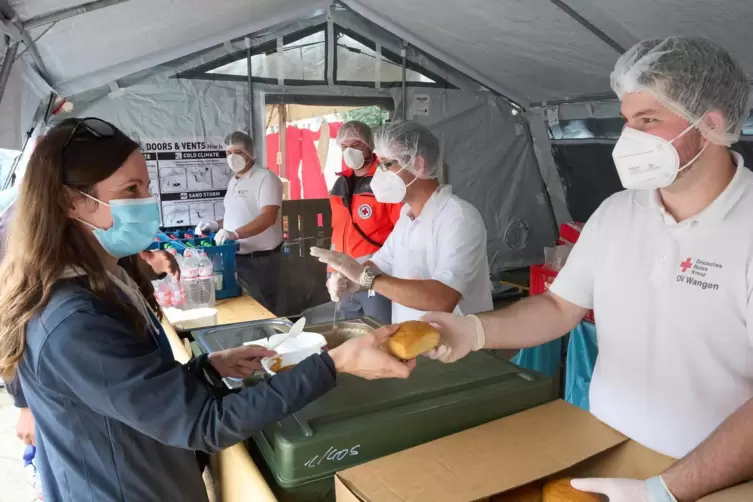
(117,421)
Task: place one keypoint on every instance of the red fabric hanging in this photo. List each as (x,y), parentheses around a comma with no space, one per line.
(314,186)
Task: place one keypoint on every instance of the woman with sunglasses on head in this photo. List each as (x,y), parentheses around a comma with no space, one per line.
(117,417)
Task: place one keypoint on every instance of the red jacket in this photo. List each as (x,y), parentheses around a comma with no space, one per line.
(354,206)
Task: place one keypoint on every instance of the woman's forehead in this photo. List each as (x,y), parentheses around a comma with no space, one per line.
(134,168)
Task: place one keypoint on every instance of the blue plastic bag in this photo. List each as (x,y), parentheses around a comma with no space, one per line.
(581,359)
(542,358)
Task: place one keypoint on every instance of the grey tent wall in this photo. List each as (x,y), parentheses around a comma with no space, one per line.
(542,148)
(491,163)
(490,159)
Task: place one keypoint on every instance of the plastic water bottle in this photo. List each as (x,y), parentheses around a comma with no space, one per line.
(206,280)
(218,271)
(31,469)
(177,292)
(162,293)
(190,279)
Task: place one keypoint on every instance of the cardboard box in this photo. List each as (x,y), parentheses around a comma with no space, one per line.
(550,441)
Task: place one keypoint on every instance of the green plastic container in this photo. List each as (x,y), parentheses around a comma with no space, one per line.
(362,420)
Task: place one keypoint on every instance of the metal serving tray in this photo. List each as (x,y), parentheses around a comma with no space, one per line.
(341,331)
(229,336)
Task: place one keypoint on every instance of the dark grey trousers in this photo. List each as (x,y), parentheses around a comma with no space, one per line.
(259,276)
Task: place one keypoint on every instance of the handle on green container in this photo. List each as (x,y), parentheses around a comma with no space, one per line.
(179,246)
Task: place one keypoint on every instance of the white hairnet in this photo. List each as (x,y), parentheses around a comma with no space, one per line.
(355,130)
(404,141)
(690,75)
(241,139)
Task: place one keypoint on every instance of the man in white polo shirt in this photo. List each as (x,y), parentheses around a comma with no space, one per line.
(435,258)
(667,266)
(253,218)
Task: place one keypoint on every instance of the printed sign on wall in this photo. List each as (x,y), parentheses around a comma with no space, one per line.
(190,179)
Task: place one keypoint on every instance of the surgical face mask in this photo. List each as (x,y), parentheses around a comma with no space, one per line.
(236,162)
(135,223)
(353,158)
(648,162)
(388,187)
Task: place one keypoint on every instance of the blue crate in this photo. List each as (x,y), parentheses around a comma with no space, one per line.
(186,239)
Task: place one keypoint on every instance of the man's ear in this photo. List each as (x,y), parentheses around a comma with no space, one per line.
(714,123)
(419,166)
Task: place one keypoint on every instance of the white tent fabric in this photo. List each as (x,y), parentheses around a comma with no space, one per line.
(120,61)
(530,51)
(495,168)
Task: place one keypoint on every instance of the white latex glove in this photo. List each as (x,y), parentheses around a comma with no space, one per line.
(207,226)
(340,287)
(626,490)
(340,262)
(459,335)
(224,236)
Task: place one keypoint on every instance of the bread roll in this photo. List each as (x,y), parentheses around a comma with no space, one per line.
(526,493)
(412,339)
(561,491)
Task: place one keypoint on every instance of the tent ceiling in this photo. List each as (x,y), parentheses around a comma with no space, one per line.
(531,51)
(531,48)
(136,29)
(727,22)
(30,9)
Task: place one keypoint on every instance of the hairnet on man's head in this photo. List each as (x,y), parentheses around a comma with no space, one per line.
(692,76)
(404,141)
(240,139)
(355,130)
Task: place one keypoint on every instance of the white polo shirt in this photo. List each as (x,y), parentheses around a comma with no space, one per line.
(245,198)
(674,317)
(446,243)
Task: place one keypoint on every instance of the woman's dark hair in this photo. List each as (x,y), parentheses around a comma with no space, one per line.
(71,158)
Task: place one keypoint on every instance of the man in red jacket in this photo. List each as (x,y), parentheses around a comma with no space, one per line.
(360,224)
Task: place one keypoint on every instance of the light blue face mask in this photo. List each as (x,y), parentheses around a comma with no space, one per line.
(135,223)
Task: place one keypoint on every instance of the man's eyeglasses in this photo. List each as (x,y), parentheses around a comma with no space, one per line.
(89,129)
(385,165)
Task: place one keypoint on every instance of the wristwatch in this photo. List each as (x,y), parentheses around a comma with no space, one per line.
(368,276)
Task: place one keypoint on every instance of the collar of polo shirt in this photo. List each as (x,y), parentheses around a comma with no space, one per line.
(714,212)
(246,174)
(437,200)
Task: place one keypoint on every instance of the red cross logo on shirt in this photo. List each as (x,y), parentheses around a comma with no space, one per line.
(684,266)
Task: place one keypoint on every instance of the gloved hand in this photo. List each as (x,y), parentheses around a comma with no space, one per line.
(340,287)
(341,263)
(224,236)
(206,227)
(626,490)
(459,336)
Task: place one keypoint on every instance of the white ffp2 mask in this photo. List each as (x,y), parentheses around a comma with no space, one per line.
(388,187)
(353,158)
(648,162)
(236,162)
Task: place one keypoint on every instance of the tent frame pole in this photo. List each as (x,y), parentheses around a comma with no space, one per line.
(587,25)
(250,82)
(10,56)
(404,54)
(11,22)
(283,138)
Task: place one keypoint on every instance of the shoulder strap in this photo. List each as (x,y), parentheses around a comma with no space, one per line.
(363,234)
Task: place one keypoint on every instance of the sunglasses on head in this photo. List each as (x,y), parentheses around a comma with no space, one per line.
(89,129)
